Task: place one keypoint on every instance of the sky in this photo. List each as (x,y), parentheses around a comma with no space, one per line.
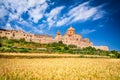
(98,20)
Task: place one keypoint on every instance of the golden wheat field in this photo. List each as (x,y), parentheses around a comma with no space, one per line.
(60,69)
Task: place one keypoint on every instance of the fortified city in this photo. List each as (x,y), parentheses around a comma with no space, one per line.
(70,37)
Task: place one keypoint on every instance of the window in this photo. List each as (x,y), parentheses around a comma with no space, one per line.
(13,34)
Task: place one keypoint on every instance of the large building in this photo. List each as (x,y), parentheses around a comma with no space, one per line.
(14,34)
(70,37)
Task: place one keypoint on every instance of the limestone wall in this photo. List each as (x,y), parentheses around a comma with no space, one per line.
(102,47)
(14,34)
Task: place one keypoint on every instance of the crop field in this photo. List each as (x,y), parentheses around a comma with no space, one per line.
(59,69)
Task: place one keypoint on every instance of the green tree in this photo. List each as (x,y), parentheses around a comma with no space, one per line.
(116,53)
(72,46)
(60,42)
(0,44)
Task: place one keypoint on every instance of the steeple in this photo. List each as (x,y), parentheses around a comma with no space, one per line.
(58,33)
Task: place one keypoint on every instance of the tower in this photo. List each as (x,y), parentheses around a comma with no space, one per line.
(58,33)
(70,31)
(58,37)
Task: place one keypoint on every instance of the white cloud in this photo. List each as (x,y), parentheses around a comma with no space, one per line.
(52,16)
(98,15)
(8,26)
(13,16)
(36,30)
(62,21)
(17,7)
(55,11)
(87,31)
(18,28)
(32,3)
(38,12)
(41,26)
(81,12)
(3,12)
(30,27)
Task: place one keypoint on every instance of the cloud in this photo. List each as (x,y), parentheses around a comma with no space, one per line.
(36,30)
(98,15)
(87,31)
(38,12)
(32,3)
(41,26)
(3,12)
(52,16)
(41,10)
(8,27)
(82,12)
(17,7)
(30,28)
(13,16)
(62,21)
(18,27)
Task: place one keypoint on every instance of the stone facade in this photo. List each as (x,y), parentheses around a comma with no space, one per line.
(70,37)
(13,34)
(102,47)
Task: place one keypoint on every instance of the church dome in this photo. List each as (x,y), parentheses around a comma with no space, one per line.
(71,28)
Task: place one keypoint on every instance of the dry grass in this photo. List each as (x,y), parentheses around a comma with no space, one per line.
(60,69)
(46,55)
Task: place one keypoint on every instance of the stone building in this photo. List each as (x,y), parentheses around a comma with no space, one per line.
(69,38)
(14,34)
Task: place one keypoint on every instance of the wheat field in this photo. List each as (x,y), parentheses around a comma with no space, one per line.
(60,69)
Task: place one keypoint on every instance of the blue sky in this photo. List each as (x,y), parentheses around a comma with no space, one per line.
(98,20)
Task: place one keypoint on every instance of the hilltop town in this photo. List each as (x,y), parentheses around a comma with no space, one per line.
(70,37)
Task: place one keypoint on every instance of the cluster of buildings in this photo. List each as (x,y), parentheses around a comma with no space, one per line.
(70,37)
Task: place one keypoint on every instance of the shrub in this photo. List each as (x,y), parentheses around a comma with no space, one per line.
(72,46)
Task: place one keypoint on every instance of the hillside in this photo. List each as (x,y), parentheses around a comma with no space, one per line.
(12,45)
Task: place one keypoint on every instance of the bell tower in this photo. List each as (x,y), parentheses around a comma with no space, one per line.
(58,33)
(58,37)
